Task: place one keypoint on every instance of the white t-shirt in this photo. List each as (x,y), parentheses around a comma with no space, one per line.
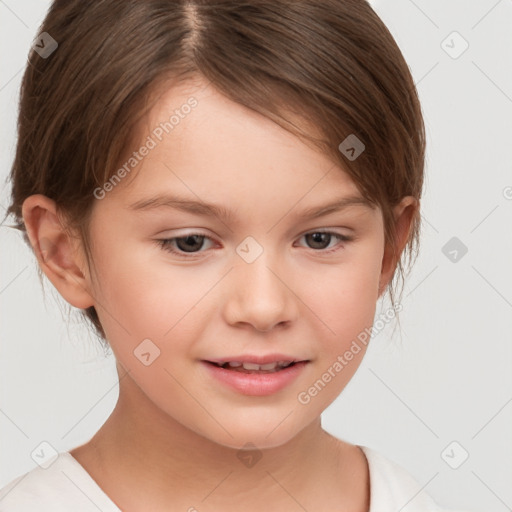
(65,485)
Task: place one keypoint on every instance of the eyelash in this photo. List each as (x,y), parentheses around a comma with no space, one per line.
(165,243)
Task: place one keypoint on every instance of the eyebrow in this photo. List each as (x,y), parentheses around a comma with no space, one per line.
(209,209)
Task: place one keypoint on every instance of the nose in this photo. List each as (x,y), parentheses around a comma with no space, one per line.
(260,295)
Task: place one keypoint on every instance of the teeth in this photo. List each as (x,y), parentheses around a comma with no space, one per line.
(255,367)
(251,366)
(268,366)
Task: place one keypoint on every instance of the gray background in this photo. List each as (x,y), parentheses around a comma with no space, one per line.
(446,378)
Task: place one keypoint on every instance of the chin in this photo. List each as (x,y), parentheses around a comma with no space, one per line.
(253,440)
(254,434)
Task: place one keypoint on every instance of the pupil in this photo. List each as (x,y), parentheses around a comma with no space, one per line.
(189,240)
(317,238)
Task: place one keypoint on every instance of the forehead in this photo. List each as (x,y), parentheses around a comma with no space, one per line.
(208,148)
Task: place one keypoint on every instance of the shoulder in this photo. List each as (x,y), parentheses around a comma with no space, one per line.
(392,487)
(64,485)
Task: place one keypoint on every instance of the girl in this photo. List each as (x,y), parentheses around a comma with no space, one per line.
(285,139)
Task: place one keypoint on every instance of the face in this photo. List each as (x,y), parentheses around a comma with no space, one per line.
(177,285)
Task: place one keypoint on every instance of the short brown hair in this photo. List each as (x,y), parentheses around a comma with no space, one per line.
(333,63)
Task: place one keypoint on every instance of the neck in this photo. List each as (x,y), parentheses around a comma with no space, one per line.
(180,466)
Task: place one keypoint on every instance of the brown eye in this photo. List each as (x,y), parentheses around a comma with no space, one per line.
(320,240)
(183,245)
(190,243)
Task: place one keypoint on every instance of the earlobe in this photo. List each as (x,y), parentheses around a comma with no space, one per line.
(55,250)
(404,215)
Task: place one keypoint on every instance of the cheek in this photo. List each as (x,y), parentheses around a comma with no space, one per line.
(344,296)
(143,296)
(344,300)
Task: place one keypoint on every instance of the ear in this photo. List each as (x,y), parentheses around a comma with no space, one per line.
(57,253)
(404,215)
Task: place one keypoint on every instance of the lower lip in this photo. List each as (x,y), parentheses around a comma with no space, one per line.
(255,384)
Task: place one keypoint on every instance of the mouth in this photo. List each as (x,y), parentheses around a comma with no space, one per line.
(248,367)
(269,375)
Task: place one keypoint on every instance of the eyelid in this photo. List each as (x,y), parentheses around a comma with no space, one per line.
(165,243)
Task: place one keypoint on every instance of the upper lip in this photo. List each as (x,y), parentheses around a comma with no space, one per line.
(257,359)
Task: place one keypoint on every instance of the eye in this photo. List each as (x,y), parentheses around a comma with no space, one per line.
(188,244)
(321,239)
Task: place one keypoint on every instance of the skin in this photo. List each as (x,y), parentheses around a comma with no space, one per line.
(175,428)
